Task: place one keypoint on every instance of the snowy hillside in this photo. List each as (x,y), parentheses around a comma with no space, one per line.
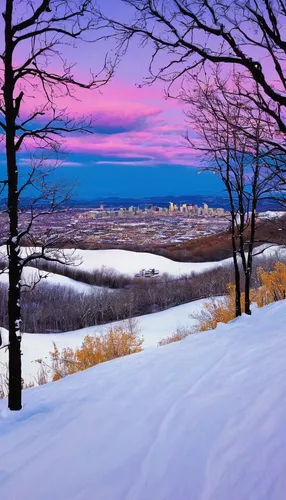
(202,419)
(125,261)
(152,327)
(30,275)
(128,262)
(272,214)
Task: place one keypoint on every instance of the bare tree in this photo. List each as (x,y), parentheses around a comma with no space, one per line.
(36,69)
(188,35)
(236,141)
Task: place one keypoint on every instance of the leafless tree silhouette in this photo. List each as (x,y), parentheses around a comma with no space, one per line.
(36,70)
(239,143)
(189,35)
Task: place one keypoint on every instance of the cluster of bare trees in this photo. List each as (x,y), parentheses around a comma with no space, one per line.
(54,308)
(49,308)
(104,277)
(239,143)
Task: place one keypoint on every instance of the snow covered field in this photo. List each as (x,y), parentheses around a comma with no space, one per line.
(31,275)
(128,262)
(272,214)
(153,327)
(201,419)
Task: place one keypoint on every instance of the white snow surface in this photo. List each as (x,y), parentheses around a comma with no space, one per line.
(129,263)
(124,261)
(201,419)
(152,327)
(30,276)
(272,214)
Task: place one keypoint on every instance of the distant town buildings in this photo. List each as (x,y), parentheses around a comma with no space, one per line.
(173,209)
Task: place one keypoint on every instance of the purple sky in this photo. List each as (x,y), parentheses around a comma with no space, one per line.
(134,128)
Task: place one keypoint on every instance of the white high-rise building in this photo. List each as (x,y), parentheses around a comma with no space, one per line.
(206,209)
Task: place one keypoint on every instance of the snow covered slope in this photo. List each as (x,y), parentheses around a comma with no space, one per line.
(128,262)
(153,328)
(202,419)
(272,214)
(30,275)
(125,261)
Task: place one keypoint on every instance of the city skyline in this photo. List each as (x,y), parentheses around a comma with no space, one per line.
(174,208)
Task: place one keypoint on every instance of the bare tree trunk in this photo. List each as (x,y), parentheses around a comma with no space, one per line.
(15,379)
(255,196)
(248,273)
(236,278)
(227,183)
(249,266)
(36,36)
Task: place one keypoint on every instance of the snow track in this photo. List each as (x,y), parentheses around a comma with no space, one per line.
(201,419)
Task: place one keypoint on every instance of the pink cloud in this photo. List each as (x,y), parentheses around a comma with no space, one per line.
(154,149)
(113,110)
(130,124)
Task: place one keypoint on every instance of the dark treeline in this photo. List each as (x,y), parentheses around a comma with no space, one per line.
(98,277)
(54,308)
(49,308)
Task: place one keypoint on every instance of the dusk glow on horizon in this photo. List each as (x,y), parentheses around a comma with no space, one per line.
(137,145)
(133,128)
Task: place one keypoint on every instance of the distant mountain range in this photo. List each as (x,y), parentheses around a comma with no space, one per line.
(162,201)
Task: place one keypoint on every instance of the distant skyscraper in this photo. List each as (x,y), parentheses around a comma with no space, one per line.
(206,209)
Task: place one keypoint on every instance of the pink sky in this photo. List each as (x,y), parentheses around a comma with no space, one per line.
(128,122)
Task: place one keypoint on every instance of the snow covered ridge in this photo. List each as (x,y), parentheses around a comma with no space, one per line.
(124,261)
(201,419)
(30,275)
(272,214)
(129,263)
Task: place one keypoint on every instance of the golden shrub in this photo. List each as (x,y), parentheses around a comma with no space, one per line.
(217,311)
(273,285)
(273,288)
(95,349)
